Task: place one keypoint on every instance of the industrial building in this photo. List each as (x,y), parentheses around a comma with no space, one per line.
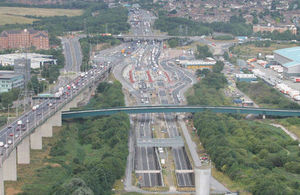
(37,60)
(10,80)
(208,63)
(289,58)
(245,77)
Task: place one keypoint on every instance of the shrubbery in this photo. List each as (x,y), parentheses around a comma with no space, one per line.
(89,154)
(259,156)
(265,95)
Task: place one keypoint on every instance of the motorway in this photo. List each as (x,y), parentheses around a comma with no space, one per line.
(13,133)
(73,55)
(145,60)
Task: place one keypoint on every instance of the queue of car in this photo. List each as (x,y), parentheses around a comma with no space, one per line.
(13,132)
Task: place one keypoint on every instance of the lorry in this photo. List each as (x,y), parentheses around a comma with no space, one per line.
(296,80)
(297,98)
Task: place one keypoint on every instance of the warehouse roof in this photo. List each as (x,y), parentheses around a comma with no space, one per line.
(293,54)
(8,75)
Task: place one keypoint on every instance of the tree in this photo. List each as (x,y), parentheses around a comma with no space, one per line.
(7,98)
(202,72)
(203,52)
(218,67)
(35,85)
(255,20)
(226,55)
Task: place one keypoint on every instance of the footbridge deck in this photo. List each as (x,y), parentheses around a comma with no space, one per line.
(160,142)
(180,109)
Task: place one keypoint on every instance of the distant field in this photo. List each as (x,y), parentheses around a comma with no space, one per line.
(13,15)
(251,50)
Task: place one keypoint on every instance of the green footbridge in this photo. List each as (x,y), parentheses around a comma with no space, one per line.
(179,109)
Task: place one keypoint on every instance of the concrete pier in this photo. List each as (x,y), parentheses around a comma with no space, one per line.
(46,128)
(202,179)
(23,151)
(10,167)
(1,182)
(36,142)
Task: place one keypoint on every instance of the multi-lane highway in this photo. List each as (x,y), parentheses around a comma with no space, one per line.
(73,55)
(13,133)
(179,154)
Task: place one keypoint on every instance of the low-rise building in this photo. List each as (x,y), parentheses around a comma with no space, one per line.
(37,60)
(197,64)
(289,58)
(245,77)
(271,28)
(10,80)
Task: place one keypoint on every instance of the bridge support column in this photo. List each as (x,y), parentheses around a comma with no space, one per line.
(73,103)
(10,167)
(46,129)
(23,151)
(1,181)
(36,142)
(56,119)
(66,107)
(264,116)
(202,180)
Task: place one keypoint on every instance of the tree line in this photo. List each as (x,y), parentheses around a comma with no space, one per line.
(209,91)
(258,156)
(186,27)
(89,154)
(96,18)
(266,95)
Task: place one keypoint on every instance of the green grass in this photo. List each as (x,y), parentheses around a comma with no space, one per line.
(17,15)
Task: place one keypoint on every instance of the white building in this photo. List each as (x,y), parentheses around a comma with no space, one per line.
(289,58)
(37,60)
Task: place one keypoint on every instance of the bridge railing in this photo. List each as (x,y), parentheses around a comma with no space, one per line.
(179,109)
(29,130)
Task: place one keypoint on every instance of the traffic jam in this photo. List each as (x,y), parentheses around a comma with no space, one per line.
(47,105)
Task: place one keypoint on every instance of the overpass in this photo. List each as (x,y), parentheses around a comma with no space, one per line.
(178,108)
(160,142)
(153,37)
(38,126)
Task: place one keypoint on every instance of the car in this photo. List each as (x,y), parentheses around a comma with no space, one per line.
(17,135)
(11,134)
(6,146)
(1,144)
(9,141)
